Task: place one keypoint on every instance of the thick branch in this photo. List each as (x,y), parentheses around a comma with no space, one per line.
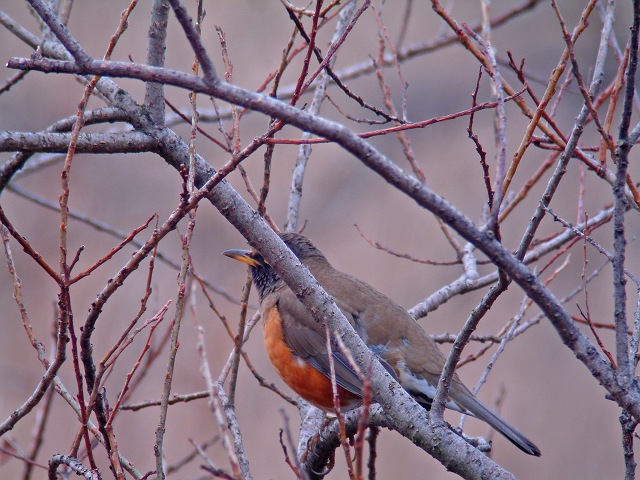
(407,417)
(340,134)
(52,142)
(570,335)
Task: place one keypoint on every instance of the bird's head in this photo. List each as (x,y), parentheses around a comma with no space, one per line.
(264,276)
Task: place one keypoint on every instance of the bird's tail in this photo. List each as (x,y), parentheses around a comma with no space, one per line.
(478,410)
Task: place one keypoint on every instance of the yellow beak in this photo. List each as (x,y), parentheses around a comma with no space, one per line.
(246,256)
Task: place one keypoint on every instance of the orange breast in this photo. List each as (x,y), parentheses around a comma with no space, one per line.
(305,380)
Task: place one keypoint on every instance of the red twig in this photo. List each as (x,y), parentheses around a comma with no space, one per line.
(399,128)
(28,249)
(479,149)
(587,319)
(113,251)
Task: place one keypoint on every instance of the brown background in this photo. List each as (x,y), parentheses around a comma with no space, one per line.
(548,394)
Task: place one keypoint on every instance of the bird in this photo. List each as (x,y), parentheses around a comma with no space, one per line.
(296,343)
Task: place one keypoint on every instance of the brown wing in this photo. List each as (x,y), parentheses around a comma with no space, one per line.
(307,340)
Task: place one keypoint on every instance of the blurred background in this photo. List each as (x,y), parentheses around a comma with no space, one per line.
(544,390)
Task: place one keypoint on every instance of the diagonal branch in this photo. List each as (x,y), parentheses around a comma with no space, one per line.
(407,416)
(372,158)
